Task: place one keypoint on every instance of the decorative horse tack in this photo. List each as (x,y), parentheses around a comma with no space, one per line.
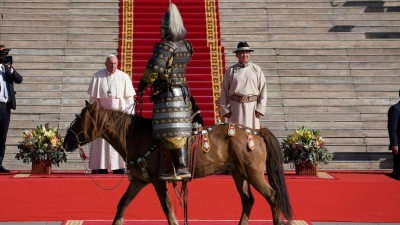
(231,129)
(205,142)
(250,140)
(142,163)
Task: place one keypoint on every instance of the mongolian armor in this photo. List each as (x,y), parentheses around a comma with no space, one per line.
(172,110)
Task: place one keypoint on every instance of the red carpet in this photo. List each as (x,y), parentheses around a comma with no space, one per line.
(352,197)
(191,222)
(140,30)
(55,174)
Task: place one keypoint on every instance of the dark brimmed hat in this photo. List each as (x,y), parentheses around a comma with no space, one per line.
(243,46)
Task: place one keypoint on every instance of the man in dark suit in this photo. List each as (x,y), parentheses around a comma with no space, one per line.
(8,76)
(394,137)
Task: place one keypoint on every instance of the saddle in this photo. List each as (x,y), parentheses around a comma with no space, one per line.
(200,136)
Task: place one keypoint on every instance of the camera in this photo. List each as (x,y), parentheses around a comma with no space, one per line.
(5,59)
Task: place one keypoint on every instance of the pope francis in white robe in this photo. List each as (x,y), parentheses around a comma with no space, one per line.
(113,89)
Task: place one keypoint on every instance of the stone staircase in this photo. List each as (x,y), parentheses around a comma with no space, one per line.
(57,46)
(330,65)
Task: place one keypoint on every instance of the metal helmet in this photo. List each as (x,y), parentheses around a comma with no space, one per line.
(172,24)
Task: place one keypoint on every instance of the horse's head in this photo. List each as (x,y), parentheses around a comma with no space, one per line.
(76,136)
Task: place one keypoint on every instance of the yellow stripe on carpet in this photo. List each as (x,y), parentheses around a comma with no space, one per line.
(74,222)
(325,175)
(215,53)
(126,37)
(299,222)
(22,175)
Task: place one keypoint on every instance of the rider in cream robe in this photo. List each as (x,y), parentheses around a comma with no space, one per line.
(243,97)
(113,91)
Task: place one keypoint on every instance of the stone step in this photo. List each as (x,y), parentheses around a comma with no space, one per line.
(336,51)
(306,10)
(308,30)
(336,72)
(334,17)
(59,30)
(231,45)
(325,65)
(63,44)
(320,109)
(68,23)
(61,36)
(321,58)
(349,52)
(302,4)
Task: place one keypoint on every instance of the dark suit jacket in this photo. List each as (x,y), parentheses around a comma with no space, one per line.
(12,78)
(394,124)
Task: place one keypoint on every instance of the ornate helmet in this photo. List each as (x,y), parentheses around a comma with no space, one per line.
(172,24)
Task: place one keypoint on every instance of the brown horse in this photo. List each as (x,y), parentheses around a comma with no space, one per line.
(131,136)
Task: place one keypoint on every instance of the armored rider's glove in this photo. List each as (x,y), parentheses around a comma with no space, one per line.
(142,87)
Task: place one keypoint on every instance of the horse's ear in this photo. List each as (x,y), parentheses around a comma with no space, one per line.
(94,106)
(87,103)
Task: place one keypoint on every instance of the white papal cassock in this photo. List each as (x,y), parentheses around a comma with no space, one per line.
(120,96)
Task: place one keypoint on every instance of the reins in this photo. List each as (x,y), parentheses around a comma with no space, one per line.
(98,185)
(87,140)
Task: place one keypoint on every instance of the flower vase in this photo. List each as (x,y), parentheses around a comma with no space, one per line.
(306,169)
(41,166)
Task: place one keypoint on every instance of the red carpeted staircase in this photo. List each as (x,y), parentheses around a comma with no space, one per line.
(201,20)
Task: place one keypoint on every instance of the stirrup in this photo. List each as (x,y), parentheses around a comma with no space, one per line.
(185,174)
(174,177)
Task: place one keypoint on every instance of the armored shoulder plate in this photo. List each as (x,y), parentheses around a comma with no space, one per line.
(183,54)
(162,52)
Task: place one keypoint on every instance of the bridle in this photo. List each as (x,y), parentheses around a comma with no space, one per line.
(87,140)
(79,142)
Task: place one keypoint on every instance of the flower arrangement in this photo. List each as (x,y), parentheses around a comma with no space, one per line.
(305,146)
(42,144)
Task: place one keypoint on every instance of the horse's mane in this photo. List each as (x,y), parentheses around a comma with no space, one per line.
(117,123)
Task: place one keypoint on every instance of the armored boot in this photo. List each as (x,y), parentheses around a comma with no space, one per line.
(180,160)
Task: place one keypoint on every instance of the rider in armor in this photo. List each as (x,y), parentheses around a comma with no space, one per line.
(165,71)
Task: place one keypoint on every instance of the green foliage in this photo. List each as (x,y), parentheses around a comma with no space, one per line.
(40,144)
(305,146)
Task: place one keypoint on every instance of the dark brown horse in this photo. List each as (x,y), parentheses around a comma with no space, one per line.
(131,136)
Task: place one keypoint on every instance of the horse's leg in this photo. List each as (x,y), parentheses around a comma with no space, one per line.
(246,196)
(135,186)
(258,181)
(162,192)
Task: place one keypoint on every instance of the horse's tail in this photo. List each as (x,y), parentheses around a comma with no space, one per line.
(274,167)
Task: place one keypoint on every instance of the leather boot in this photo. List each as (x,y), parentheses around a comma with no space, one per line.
(179,158)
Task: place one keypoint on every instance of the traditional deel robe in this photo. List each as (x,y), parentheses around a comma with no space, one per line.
(244,80)
(102,154)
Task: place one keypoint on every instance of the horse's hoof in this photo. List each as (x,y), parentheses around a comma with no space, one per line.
(118,222)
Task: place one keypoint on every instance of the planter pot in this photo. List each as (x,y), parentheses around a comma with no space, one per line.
(41,166)
(306,169)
